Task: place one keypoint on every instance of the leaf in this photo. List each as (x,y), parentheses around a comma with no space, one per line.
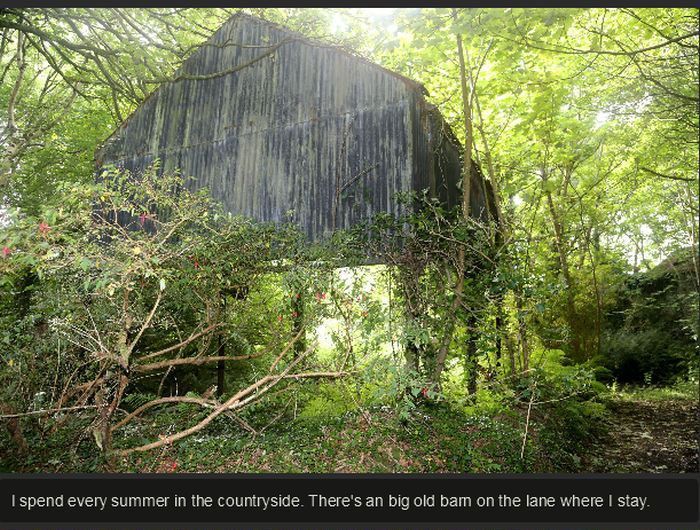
(98,437)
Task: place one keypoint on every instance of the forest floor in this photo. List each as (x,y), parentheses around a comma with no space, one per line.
(647,434)
(632,431)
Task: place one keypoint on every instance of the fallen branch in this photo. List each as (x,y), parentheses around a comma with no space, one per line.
(527,421)
(238,401)
(183,343)
(209,359)
(46,412)
(161,401)
(196,361)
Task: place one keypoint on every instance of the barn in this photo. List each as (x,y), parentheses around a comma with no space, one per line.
(283,128)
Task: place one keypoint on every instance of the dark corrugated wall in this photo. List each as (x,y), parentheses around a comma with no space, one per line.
(299,129)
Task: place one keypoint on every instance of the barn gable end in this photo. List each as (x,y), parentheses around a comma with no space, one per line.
(278,126)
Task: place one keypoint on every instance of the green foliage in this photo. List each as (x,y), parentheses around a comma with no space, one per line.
(682,390)
(127,276)
(651,336)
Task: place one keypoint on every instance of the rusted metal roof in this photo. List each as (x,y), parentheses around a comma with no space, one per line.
(282,127)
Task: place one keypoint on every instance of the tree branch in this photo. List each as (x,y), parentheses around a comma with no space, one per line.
(670,177)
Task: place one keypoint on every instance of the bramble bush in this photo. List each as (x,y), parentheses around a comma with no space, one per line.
(132,285)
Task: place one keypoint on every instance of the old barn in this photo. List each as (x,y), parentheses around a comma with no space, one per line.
(279,126)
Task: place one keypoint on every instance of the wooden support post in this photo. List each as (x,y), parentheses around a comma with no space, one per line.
(220,372)
(298,319)
(221,351)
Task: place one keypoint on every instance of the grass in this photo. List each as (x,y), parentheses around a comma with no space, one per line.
(685,390)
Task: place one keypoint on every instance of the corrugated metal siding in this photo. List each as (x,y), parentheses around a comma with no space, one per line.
(287,132)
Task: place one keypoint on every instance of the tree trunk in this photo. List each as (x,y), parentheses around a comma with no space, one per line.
(499,332)
(571,314)
(220,372)
(221,352)
(472,361)
(522,332)
(466,202)
(298,321)
(511,354)
(107,408)
(15,429)
(410,281)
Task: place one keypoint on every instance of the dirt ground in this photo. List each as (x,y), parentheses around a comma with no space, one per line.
(648,437)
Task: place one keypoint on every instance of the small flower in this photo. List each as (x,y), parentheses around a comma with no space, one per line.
(424,391)
(6,251)
(44,228)
(142,218)
(279,318)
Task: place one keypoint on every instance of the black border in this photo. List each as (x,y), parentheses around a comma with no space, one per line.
(355,525)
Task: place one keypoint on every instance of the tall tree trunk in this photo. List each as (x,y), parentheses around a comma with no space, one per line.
(468,133)
(499,332)
(500,235)
(471,357)
(522,333)
(596,287)
(692,222)
(571,314)
(466,202)
(410,280)
(511,354)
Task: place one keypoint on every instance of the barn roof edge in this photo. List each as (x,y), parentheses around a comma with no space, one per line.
(298,36)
